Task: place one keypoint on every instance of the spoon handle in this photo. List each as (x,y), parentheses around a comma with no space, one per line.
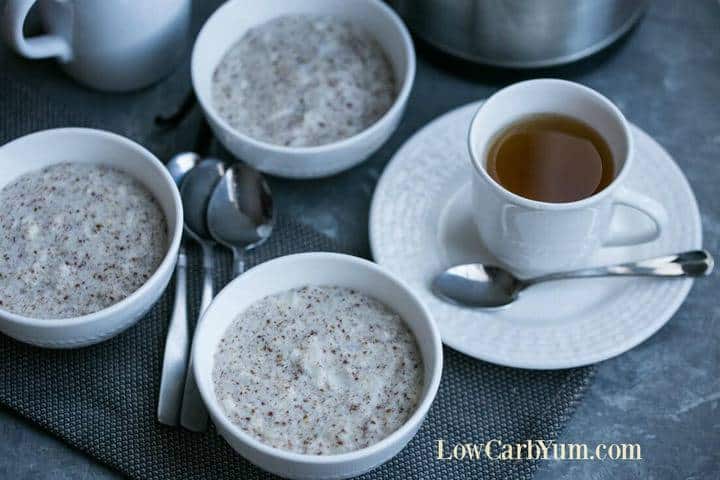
(238,262)
(194,415)
(693,263)
(177,346)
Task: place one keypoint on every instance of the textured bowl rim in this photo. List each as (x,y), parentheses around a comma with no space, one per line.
(415,420)
(398,104)
(171,249)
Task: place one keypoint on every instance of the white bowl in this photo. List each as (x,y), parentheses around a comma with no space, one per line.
(48,147)
(294,271)
(230,22)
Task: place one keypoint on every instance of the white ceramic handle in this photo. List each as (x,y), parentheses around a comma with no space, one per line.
(642,203)
(42,46)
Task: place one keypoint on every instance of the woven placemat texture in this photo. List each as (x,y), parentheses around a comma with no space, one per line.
(102,399)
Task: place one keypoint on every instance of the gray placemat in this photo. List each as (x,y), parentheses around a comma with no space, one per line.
(102,399)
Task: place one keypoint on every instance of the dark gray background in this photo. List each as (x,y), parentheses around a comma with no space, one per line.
(665,393)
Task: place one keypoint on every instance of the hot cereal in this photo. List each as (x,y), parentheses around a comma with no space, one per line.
(76,238)
(318,370)
(301,80)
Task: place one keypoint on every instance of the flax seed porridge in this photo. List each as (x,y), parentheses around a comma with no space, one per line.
(303,80)
(318,370)
(76,238)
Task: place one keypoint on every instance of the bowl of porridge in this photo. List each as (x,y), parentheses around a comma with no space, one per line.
(303,89)
(317,365)
(89,233)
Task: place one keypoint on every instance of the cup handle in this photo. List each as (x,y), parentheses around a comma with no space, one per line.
(642,203)
(42,46)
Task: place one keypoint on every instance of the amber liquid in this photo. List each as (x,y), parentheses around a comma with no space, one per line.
(551,158)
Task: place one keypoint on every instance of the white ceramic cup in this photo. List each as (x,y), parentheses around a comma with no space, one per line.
(48,147)
(107,44)
(532,237)
(230,22)
(293,271)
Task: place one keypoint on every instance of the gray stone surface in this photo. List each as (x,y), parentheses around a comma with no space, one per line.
(665,393)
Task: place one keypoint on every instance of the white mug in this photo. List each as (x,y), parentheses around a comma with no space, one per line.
(113,45)
(533,237)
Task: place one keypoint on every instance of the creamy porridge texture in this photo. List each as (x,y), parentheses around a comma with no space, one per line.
(76,238)
(301,80)
(318,370)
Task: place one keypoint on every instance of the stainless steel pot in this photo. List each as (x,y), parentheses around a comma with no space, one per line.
(520,33)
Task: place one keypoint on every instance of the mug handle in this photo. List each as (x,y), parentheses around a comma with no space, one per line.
(42,46)
(642,203)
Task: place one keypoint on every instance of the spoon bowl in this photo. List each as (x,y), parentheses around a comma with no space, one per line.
(181,164)
(196,189)
(240,214)
(477,285)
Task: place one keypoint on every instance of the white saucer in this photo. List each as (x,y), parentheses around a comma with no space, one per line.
(420,223)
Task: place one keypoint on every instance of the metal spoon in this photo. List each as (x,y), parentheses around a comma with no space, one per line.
(181,164)
(240,213)
(177,342)
(485,286)
(195,191)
